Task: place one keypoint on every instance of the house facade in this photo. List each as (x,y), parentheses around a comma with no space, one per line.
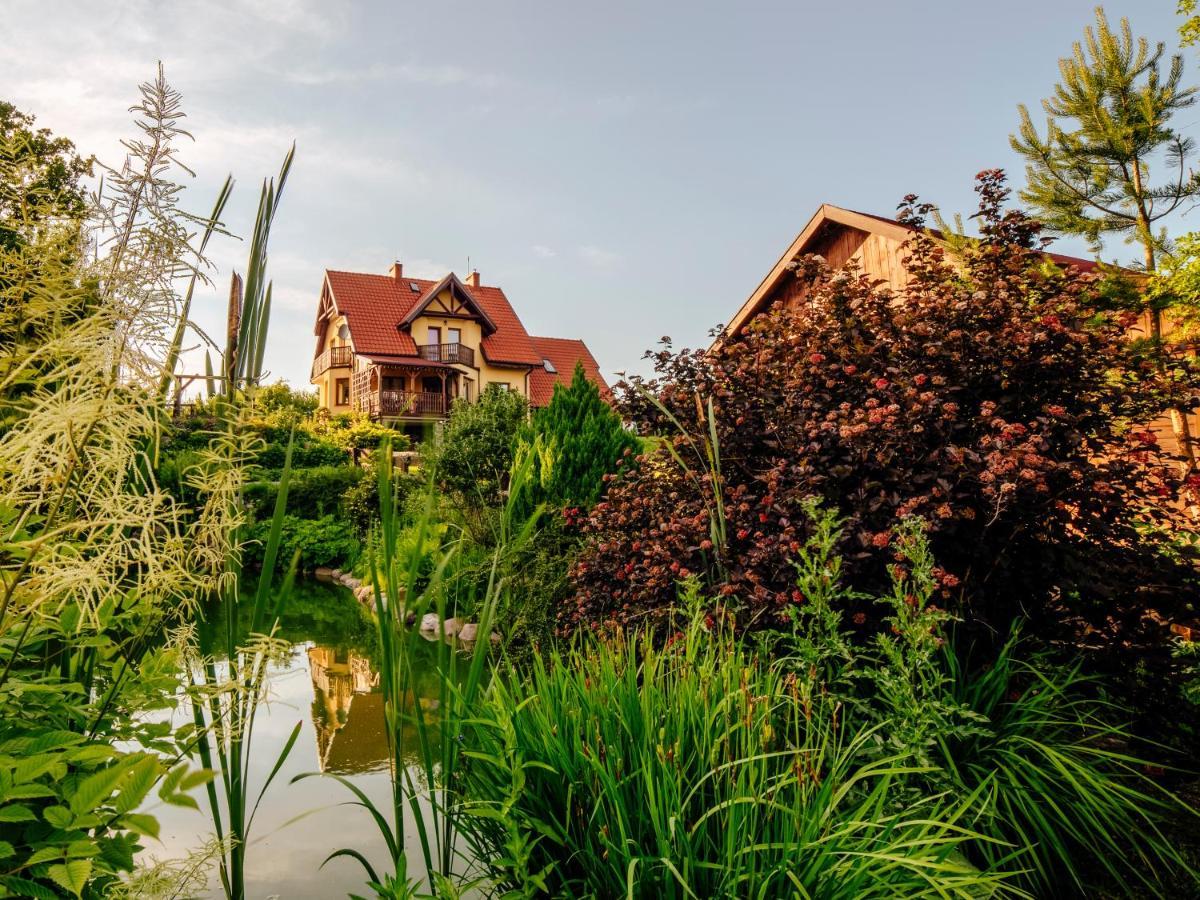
(876,247)
(403,349)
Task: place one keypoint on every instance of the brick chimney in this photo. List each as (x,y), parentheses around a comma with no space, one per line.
(397,270)
(473,279)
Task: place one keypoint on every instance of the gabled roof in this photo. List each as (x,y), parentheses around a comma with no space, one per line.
(563,354)
(828,215)
(456,289)
(377,308)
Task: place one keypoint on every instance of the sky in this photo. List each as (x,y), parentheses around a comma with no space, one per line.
(623,170)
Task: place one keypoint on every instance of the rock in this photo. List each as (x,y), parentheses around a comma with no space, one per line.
(333,573)
(323,572)
(468,632)
(430,624)
(495,638)
(364,593)
(351,582)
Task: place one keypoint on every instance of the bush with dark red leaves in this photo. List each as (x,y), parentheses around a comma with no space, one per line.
(995,397)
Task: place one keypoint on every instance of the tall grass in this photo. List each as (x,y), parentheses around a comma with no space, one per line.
(226,695)
(696,769)
(405,592)
(1061,778)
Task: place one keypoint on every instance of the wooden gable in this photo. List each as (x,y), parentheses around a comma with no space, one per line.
(451,305)
(449,298)
(875,246)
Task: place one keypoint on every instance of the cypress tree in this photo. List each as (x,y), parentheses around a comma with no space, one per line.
(1108,120)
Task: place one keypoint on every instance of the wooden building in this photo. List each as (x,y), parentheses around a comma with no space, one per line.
(876,246)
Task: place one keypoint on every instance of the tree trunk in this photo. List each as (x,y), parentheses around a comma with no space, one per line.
(1179,421)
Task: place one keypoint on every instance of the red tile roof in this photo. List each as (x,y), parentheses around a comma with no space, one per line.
(563,354)
(374,306)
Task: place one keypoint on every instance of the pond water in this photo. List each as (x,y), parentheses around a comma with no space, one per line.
(329,684)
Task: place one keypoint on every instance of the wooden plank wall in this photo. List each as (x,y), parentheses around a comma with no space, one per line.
(875,255)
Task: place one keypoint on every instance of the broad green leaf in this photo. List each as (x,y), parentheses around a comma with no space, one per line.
(16,813)
(44,855)
(138,784)
(72,876)
(23,887)
(27,792)
(58,816)
(97,787)
(140,823)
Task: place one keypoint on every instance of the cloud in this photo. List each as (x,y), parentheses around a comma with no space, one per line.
(541,251)
(599,258)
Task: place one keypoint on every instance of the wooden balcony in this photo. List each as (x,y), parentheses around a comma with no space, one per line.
(402,404)
(448,353)
(333,358)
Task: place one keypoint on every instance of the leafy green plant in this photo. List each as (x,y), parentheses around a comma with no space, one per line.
(97,568)
(474,455)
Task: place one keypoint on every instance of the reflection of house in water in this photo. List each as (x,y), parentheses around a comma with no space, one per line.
(347,714)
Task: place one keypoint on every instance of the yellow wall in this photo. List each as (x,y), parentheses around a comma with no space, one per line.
(326,382)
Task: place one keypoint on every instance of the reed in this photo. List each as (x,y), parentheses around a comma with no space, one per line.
(694,768)
(405,592)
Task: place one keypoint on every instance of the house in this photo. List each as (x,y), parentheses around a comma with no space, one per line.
(402,349)
(875,245)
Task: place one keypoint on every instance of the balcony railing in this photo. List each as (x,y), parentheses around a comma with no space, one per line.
(448,353)
(403,404)
(333,358)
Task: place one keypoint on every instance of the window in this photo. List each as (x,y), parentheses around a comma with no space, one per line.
(434,337)
(344,332)
(549,366)
(500,385)
(453,336)
(342,391)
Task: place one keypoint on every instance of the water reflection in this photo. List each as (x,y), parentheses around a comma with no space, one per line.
(347,712)
(329,682)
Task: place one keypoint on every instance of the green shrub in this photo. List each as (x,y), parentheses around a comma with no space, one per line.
(1057,785)
(312,493)
(1061,780)
(322,542)
(473,457)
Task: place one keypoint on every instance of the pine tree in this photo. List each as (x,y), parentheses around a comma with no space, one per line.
(1091,177)
(585,441)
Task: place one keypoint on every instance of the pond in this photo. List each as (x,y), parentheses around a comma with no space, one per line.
(329,684)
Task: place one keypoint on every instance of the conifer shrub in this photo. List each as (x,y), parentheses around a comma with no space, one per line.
(992,397)
(582,441)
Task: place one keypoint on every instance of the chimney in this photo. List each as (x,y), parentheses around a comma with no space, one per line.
(397,270)
(473,279)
